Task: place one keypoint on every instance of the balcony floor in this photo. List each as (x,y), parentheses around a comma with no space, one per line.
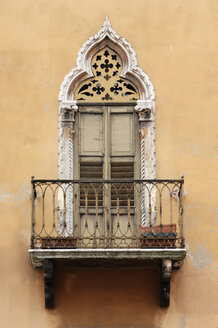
(107,256)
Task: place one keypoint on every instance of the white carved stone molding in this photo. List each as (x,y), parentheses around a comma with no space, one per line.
(67,114)
(106,37)
(148,170)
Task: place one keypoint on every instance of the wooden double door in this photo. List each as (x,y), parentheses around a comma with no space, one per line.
(106,162)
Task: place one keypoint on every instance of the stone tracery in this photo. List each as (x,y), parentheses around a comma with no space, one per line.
(106,83)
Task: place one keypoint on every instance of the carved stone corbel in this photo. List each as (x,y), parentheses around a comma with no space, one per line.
(144,113)
(165,276)
(69,113)
(143,108)
(48,283)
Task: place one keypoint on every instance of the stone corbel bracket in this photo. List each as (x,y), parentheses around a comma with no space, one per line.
(145,110)
(68,112)
(48,283)
(165,276)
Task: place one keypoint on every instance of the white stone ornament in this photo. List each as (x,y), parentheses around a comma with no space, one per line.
(107,36)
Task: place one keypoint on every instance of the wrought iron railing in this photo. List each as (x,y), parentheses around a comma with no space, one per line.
(107,214)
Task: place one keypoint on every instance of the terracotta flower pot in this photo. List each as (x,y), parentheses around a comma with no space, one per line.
(58,242)
(158,236)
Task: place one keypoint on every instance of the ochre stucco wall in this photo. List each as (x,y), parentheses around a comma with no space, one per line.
(176,45)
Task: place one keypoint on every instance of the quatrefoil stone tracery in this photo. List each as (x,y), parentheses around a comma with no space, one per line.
(107,83)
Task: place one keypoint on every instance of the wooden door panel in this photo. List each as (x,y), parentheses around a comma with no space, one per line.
(91,134)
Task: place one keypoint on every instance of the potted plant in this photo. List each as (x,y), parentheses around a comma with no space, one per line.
(163,235)
(58,242)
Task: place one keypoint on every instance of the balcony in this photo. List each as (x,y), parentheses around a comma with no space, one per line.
(107,215)
(107,221)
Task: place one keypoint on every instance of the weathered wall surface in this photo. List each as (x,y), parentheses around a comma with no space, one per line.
(176,44)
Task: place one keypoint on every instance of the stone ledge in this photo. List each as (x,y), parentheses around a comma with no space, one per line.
(37,256)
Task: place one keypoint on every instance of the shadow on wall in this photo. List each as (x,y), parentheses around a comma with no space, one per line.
(106,297)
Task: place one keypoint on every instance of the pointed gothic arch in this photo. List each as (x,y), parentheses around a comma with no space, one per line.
(107,37)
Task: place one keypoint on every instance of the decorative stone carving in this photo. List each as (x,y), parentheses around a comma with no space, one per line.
(148,171)
(68,113)
(144,113)
(107,83)
(106,36)
(145,110)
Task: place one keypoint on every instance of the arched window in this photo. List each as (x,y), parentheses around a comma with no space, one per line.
(106,118)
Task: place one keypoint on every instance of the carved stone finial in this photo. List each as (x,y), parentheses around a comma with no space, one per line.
(106,24)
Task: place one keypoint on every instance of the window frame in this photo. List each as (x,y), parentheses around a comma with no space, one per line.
(68,106)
